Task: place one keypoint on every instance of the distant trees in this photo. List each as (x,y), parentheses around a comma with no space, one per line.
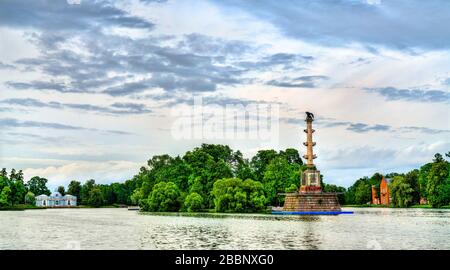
(196,172)
(431,181)
(12,188)
(211,177)
(38,185)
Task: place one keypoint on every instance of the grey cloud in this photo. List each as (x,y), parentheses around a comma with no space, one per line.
(39,85)
(362,127)
(115,108)
(416,23)
(424,130)
(205,45)
(15,123)
(6,66)
(392,93)
(197,63)
(10,122)
(169,68)
(283,60)
(60,15)
(299,82)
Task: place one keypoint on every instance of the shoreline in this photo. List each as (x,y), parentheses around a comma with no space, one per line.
(32,207)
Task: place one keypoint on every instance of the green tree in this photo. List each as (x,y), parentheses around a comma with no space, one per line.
(164,197)
(401,192)
(438,158)
(278,176)
(260,161)
(38,185)
(5,197)
(30,198)
(85,191)
(292,156)
(256,200)
(235,195)
(62,190)
(137,197)
(363,193)
(423,179)
(438,183)
(108,193)
(4,173)
(18,189)
(95,197)
(291,188)
(193,202)
(412,178)
(244,170)
(74,189)
(336,189)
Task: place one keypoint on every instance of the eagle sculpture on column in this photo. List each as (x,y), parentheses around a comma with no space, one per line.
(309,115)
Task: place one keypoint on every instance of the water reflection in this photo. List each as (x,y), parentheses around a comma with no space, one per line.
(122,229)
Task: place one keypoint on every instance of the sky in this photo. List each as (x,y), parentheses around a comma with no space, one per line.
(93,89)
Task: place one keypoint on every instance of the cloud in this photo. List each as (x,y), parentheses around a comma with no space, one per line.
(206,45)
(6,66)
(399,24)
(299,82)
(196,63)
(114,109)
(392,93)
(284,60)
(14,123)
(139,64)
(382,159)
(102,172)
(447,82)
(60,15)
(362,127)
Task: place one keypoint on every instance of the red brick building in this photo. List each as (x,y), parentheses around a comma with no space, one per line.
(385,197)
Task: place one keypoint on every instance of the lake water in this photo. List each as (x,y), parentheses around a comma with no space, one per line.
(115,228)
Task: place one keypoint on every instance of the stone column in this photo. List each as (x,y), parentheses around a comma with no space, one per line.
(309,143)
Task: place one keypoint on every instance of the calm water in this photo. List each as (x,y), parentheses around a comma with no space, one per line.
(122,229)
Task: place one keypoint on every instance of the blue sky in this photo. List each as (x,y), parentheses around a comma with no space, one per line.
(91,89)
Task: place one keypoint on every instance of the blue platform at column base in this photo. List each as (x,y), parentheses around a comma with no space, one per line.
(312,213)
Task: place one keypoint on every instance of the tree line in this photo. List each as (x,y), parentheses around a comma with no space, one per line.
(15,192)
(430,182)
(216,178)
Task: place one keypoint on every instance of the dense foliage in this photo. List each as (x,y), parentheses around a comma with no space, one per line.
(430,182)
(215,177)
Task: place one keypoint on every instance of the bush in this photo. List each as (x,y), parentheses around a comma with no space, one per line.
(30,198)
(164,197)
(235,195)
(193,202)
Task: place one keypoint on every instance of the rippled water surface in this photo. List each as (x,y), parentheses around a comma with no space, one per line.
(367,228)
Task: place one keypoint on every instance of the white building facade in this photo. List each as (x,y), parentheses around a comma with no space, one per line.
(56,200)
